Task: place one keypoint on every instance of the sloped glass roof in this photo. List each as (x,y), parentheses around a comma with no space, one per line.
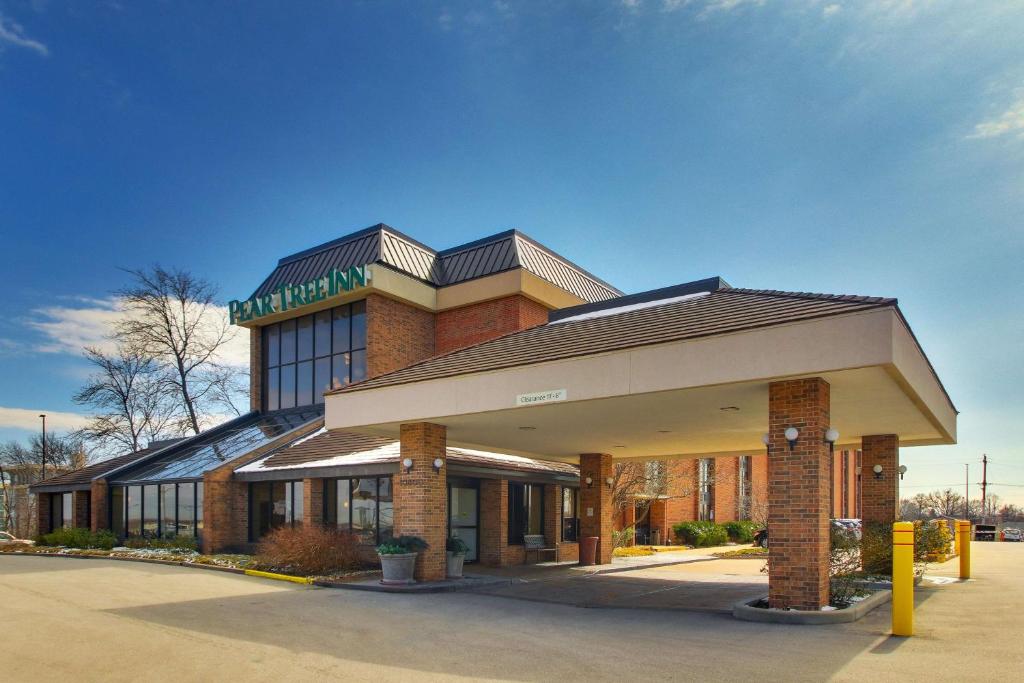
(222,444)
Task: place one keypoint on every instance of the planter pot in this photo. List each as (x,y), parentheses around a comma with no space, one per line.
(455,561)
(397,569)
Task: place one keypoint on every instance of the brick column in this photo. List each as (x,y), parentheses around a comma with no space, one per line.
(727,487)
(421,496)
(798,495)
(80,503)
(552,514)
(256,368)
(879,495)
(312,501)
(100,512)
(596,503)
(225,512)
(43,512)
(493,521)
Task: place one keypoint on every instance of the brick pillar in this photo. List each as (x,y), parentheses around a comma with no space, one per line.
(552,514)
(798,495)
(43,512)
(100,512)
(727,487)
(596,503)
(493,521)
(256,368)
(225,512)
(879,494)
(80,503)
(312,501)
(421,496)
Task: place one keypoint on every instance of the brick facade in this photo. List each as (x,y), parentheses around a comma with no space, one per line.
(880,495)
(312,501)
(397,335)
(727,482)
(256,368)
(80,504)
(468,325)
(421,496)
(798,495)
(43,512)
(596,503)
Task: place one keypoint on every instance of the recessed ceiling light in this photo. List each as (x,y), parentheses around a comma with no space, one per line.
(664,431)
(619,446)
(731,409)
(528,429)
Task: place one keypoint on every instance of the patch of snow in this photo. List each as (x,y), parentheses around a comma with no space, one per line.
(322,430)
(630,307)
(386,453)
(829,608)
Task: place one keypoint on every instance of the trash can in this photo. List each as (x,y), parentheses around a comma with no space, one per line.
(588,550)
(656,537)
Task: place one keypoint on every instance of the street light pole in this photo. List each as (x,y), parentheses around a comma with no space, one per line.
(44,446)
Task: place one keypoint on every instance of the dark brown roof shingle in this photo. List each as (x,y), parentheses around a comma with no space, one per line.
(85,475)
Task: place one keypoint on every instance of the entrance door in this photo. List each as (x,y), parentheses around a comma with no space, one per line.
(463,514)
(642,533)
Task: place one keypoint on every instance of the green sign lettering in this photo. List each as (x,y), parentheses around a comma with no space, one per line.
(286,297)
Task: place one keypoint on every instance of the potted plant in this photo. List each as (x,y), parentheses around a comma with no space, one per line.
(457,549)
(398,559)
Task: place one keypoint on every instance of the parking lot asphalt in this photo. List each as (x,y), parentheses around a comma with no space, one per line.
(112,621)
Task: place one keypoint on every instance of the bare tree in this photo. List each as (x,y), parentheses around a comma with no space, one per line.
(174,318)
(62,452)
(126,391)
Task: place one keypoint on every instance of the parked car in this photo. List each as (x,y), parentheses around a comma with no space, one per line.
(848,526)
(8,539)
(1013,534)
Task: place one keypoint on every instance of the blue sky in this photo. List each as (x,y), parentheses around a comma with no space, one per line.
(872,147)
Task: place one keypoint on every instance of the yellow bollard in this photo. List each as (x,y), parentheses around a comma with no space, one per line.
(956,537)
(903,579)
(965,549)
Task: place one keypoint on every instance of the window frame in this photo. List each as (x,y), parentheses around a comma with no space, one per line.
(161,532)
(291,519)
(352,348)
(333,520)
(516,532)
(575,495)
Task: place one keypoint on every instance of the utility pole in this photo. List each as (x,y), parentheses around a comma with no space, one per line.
(984,486)
(967,490)
(44,447)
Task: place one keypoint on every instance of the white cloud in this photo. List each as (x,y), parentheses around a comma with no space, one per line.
(1010,121)
(445,20)
(28,419)
(11,33)
(830,10)
(70,328)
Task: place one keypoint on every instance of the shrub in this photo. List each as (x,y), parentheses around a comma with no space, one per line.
(309,550)
(402,544)
(634,551)
(701,534)
(456,545)
(621,539)
(741,532)
(170,542)
(78,538)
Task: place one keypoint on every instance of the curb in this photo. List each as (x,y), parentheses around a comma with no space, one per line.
(145,560)
(305,580)
(745,612)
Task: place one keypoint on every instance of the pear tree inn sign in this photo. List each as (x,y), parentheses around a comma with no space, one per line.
(288,297)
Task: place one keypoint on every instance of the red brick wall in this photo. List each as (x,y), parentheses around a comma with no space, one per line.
(397,335)
(682,503)
(421,497)
(225,513)
(80,509)
(727,482)
(798,495)
(100,512)
(475,323)
(851,485)
(759,488)
(43,512)
(598,500)
(880,497)
(312,501)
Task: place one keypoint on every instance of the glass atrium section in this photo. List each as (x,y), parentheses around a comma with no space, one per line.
(196,456)
(157,510)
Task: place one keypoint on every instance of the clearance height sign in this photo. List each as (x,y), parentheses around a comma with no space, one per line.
(290,297)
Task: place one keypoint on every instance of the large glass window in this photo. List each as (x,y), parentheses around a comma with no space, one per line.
(706,488)
(134,510)
(117,511)
(745,486)
(570,513)
(312,354)
(525,511)
(163,510)
(186,510)
(67,510)
(150,511)
(365,506)
(273,504)
(168,510)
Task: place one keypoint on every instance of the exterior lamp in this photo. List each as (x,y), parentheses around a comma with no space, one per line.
(407,465)
(766,439)
(438,464)
(903,470)
(610,482)
(877,469)
(831,436)
(792,434)
(589,481)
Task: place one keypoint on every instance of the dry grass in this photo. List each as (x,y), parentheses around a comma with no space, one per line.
(309,550)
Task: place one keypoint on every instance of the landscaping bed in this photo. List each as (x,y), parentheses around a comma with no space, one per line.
(744,553)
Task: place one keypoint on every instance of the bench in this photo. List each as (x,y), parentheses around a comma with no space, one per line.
(535,543)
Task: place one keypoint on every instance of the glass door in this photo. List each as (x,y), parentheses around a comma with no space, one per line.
(463,514)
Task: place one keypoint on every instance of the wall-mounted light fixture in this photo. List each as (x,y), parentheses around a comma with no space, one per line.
(589,481)
(610,482)
(438,464)
(903,470)
(831,436)
(407,465)
(877,469)
(792,434)
(766,439)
